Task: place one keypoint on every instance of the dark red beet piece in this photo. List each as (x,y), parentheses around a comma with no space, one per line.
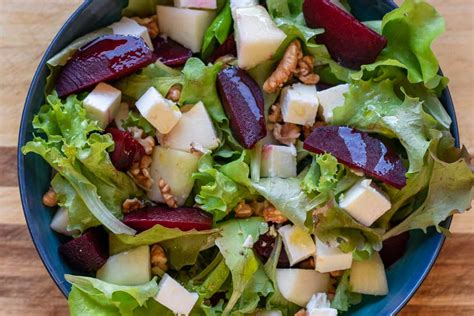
(169,52)
(127,149)
(229,47)
(243,104)
(360,151)
(263,247)
(183,218)
(349,42)
(88,252)
(394,248)
(106,58)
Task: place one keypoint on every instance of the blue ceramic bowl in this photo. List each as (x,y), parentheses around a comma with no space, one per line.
(404,277)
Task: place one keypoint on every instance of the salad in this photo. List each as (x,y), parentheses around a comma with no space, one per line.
(231,157)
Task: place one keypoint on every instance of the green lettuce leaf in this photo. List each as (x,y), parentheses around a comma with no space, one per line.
(217,32)
(90,296)
(182,247)
(240,260)
(344,297)
(136,120)
(323,174)
(374,107)
(259,286)
(143,8)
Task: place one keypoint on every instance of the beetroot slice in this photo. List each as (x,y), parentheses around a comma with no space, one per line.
(229,47)
(394,248)
(360,151)
(183,218)
(243,104)
(127,149)
(88,252)
(349,42)
(263,247)
(169,52)
(106,58)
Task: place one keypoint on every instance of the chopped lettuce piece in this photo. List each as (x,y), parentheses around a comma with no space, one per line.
(217,32)
(137,120)
(344,297)
(323,174)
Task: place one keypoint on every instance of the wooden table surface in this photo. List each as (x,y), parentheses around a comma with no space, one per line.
(27,27)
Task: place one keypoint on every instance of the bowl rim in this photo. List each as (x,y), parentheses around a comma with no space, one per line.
(448,105)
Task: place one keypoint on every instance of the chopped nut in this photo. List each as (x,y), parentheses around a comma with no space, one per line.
(243,210)
(301,312)
(145,162)
(50,199)
(275,114)
(165,190)
(158,257)
(151,23)
(257,207)
(307,264)
(140,172)
(304,71)
(336,274)
(147,142)
(130,205)
(285,68)
(174,93)
(271,214)
(286,133)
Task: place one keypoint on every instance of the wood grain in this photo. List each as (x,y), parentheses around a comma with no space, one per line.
(27,27)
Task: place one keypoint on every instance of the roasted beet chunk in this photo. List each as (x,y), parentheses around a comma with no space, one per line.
(360,151)
(349,42)
(88,252)
(106,58)
(243,104)
(263,247)
(229,47)
(394,248)
(183,218)
(127,149)
(169,52)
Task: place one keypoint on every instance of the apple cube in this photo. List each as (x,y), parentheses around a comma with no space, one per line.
(60,222)
(130,267)
(329,259)
(256,35)
(127,26)
(319,305)
(196,4)
(103,103)
(194,130)
(299,104)
(299,244)
(278,161)
(175,297)
(175,167)
(186,26)
(121,115)
(368,276)
(234,4)
(299,285)
(331,98)
(159,111)
(365,202)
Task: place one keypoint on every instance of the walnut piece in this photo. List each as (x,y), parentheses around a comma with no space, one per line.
(174,93)
(304,71)
(301,312)
(147,142)
(286,133)
(271,214)
(140,172)
(275,114)
(131,205)
(151,23)
(307,264)
(336,274)
(285,68)
(243,210)
(165,190)
(50,199)
(158,257)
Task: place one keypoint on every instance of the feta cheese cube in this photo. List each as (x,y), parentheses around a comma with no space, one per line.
(299,244)
(278,161)
(175,297)
(102,103)
(196,4)
(256,35)
(331,98)
(330,259)
(194,130)
(160,112)
(248,242)
(364,202)
(127,26)
(121,115)
(299,104)
(186,26)
(234,4)
(319,305)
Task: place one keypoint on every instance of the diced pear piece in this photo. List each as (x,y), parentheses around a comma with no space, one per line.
(331,258)
(127,26)
(122,115)
(234,4)
(278,161)
(175,297)
(256,35)
(194,129)
(299,244)
(368,276)
(131,267)
(332,98)
(186,26)
(299,285)
(60,222)
(102,103)
(299,104)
